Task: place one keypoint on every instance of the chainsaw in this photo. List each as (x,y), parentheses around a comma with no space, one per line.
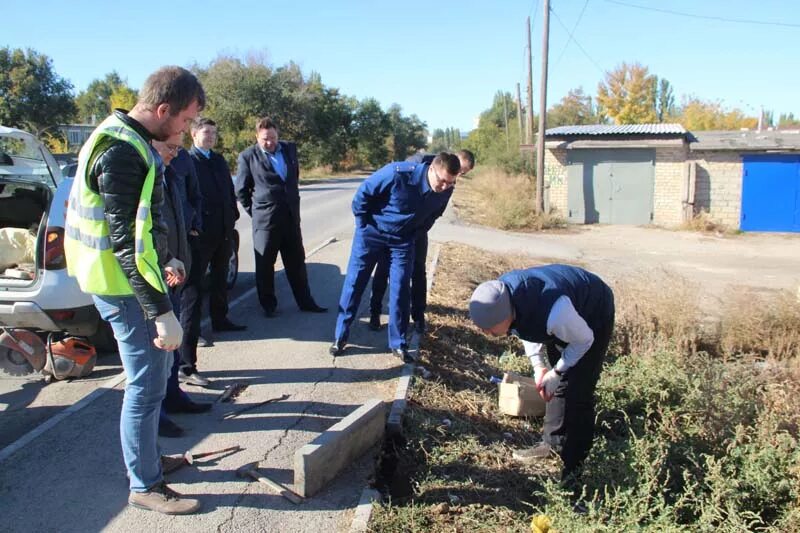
(22,352)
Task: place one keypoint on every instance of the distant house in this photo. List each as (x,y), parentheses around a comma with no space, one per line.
(663,174)
(76,134)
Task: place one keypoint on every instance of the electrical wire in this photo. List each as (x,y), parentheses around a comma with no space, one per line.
(558,19)
(705,17)
(575,27)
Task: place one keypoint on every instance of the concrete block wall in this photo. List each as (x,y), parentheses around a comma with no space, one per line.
(669,179)
(718,186)
(555,179)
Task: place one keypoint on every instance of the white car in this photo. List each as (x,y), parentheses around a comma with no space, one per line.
(35,291)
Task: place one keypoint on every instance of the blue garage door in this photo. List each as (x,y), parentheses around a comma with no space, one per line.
(771,193)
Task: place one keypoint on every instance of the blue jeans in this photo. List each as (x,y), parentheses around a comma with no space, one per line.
(146,370)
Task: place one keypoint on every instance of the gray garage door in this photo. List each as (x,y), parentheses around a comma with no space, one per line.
(610,186)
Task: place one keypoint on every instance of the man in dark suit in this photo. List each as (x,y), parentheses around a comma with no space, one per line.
(267,187)
(211,249)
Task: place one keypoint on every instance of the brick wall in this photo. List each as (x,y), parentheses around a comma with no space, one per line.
(718,186)
(555,179)
(669,179)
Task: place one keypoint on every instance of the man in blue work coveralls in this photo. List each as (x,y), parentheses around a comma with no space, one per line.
(419,277)
(390,207)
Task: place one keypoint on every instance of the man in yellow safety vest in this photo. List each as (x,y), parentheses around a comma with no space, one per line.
(116,247)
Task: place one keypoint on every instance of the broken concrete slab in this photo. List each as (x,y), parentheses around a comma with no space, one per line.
(318,462)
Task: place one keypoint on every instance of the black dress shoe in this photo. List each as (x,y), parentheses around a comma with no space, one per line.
(314,309)
(337,348)
(375,322)
(403,354)
(228,326)
(169,429)
(188,407)
(270,313)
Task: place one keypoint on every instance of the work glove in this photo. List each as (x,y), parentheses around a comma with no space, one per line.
(548,384)
(176,272)
(170,332)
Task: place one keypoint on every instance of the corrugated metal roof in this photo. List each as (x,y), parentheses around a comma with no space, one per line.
(614,129)
(746,140)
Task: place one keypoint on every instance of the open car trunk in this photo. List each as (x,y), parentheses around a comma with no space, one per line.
(28,178)
(23,216)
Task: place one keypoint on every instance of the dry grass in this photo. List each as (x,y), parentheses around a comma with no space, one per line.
(704,223)
(653,316)
(757,325)
(490,197)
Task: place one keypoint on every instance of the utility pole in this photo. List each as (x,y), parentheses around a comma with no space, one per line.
(529,136)
(519,113)
(542,112)
(505,113)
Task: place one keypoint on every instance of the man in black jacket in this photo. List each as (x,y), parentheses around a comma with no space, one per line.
(176,400)
(267,187)
(117,167)
(211,249)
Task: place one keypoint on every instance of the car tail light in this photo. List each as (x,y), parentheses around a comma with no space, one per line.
(54,258)
(61,315)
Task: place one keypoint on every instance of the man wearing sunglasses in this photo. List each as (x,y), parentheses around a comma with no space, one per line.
(390,208)
(419,276)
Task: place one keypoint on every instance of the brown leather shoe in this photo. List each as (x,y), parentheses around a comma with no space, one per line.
(162,499)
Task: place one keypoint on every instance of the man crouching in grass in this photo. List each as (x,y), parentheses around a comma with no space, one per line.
(564,316)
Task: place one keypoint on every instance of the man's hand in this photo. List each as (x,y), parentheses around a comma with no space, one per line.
(170,332)
(175,272)
(548,384)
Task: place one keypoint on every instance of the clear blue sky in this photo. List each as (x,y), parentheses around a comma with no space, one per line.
(442,61)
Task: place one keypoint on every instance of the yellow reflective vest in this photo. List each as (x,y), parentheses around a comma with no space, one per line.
(90,258)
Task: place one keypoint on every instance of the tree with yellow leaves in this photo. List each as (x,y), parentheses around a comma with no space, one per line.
(700,115)
(627,95)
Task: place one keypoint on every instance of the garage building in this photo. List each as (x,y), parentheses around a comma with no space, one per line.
(662,174)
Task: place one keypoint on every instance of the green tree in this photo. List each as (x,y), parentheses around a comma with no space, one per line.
(372,126)
(331,126)
(574,109)
(95,102)
(32,95)
(787,120)
(628,95)
(664,99)
(488,140)
(408,134)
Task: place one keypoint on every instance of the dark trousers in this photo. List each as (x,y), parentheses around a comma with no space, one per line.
(206,253)
(174,393)
(569,416)
(369,246)
(288,240)
(419,282)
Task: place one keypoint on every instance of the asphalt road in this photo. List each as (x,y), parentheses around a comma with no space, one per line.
(70,477)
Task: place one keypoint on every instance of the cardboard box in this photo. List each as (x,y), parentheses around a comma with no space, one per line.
(519,397)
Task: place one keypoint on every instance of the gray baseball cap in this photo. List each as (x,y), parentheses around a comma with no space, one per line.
(490,304)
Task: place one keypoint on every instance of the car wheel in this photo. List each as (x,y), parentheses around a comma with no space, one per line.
(103,339)
(233,265)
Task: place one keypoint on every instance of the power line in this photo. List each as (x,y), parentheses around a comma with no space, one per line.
(575,27)
(706,17)
(558,19)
